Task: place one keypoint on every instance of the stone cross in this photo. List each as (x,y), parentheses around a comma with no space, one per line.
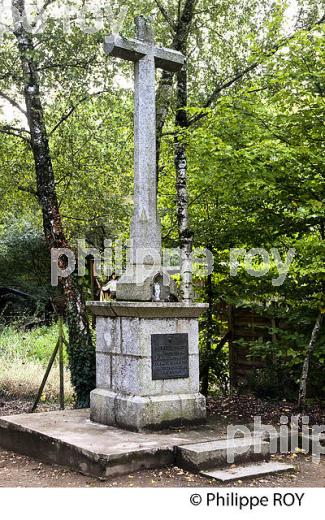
(145,227)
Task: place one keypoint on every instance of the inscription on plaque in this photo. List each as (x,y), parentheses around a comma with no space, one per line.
(169,355)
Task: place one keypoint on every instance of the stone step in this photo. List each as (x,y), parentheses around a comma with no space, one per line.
(247,471)
(204,455)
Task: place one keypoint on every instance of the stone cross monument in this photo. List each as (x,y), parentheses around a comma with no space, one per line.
(147,354)
(145,257)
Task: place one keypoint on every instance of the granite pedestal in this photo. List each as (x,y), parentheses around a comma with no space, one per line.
(147,361)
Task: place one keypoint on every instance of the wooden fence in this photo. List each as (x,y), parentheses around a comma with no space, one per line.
(245,324)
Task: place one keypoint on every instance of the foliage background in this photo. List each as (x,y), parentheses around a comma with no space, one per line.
(255,160)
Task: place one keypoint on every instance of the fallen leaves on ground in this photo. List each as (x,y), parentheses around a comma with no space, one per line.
(243,409)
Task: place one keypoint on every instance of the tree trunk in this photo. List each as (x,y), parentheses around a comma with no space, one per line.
(165,88)
(164,94)
(81,351)
(184,231)
(305,368)
(181,123)
(209,338)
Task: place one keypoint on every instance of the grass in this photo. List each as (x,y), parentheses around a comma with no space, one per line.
(24,356)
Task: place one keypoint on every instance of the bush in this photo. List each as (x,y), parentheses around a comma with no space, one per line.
(25,260)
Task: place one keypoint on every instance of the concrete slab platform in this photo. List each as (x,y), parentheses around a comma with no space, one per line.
(247,471)
(69,438)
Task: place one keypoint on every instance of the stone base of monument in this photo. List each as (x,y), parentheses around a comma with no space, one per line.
(151,412)
(147,359)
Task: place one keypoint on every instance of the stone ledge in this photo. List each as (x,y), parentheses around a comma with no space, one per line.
(116,309)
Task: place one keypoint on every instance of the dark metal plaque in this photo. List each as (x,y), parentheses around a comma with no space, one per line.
(169,356)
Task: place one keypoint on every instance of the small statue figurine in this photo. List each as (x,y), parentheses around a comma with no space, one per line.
(156,291)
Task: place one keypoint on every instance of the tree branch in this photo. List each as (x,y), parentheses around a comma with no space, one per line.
(78,63)
(31,191)
(220,88)
(62,120)
(73,109)
(263,123)
(165,134)
(45,6)
(12,102)
(165,14)
(90,219)
(15,132)
(216,93)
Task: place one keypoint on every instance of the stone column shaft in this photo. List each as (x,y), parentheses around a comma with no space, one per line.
(145,228)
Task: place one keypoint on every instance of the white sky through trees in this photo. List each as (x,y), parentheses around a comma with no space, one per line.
(8,113)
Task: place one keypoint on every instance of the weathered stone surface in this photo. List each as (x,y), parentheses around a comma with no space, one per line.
(131,339)
(102,406)
(124,366)
(136,309)
(136,284)
(192,328)
(70,439)
(134,50)
(133,335)
(247,471)
(108,335)
(217,453)
(168,326)
(128,395)
(150,412)
(103,370)
(132,376)
(127,356)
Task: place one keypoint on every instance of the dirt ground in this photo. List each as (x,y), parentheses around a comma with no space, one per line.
(21,471)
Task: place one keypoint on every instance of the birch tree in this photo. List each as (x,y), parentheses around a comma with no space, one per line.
(305,369)
(81,350)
